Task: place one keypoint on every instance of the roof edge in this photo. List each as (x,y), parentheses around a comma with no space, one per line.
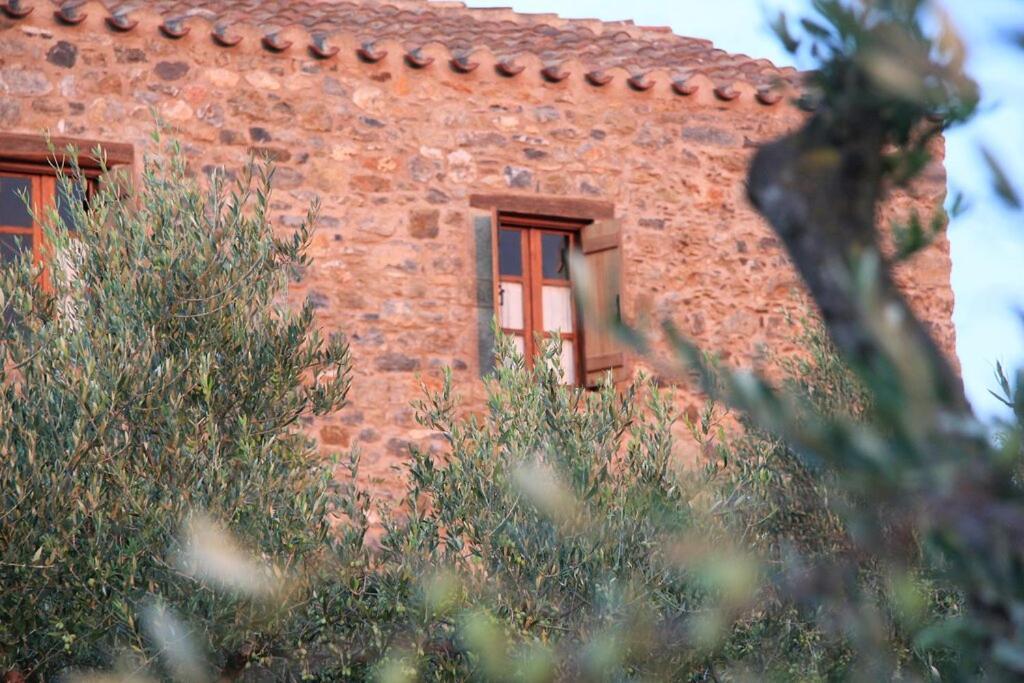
(685,81)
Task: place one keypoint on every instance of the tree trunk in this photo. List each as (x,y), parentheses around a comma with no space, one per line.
(820,188)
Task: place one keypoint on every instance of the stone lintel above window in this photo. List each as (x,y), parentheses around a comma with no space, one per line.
(545,205)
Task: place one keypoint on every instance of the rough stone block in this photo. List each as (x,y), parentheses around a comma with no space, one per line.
(424,223)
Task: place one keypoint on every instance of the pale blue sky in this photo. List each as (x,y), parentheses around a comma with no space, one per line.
(987,240)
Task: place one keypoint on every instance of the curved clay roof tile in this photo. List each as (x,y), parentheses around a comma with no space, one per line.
(640,82)
(726,93)
(509,68)
(319,47)
(16,9)
(768,96)
(275,43)
(554,73)
(418,22)
(417,59)
(368,52)
(462,64)
(222,36)
(175,28)
(684,87)
(70,13)
(120,21)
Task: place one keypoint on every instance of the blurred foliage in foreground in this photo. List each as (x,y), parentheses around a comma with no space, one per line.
(863,527)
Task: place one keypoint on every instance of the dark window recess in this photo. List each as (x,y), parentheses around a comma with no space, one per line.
(510,252)
(70,193)
(555,256)
(12,245)
(42,191)
(14,212)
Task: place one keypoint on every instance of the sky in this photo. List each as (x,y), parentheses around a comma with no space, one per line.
(986,240)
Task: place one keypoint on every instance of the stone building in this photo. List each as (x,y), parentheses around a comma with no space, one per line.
(457,152)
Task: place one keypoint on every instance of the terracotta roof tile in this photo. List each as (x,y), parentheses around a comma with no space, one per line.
(413,24)
(599,45)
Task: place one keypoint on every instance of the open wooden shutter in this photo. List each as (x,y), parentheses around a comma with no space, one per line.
(485,229)
(601,244)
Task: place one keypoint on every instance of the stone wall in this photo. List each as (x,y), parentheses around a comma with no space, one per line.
(394,153)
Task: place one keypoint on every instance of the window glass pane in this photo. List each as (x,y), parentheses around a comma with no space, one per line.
(557,308)
(68,195)
(13,211)
(555,255)
(510,252)
(511,300)
(11,245)
(569,362)
(520,344)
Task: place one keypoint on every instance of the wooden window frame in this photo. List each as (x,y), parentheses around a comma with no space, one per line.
(533,228)
(43,190)
(38,160)
(581,214)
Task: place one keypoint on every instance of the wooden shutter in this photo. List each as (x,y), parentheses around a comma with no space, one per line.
(601,244)
(485,229)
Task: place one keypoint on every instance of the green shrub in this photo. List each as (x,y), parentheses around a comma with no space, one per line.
(792,509)
(780,500)
(556,538)
(546,540)
(165,377)
(161,376)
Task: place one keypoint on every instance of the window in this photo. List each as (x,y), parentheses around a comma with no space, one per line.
(19,232)
(524,279)
(535,295)
(27,170)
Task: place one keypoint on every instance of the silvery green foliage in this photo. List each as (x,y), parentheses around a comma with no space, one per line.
(159,374)
(543,540)
(839,601)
